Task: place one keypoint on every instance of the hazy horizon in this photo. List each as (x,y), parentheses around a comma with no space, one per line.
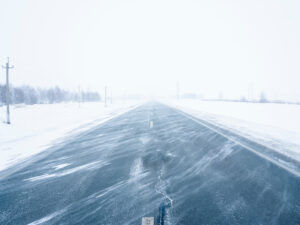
(146,47)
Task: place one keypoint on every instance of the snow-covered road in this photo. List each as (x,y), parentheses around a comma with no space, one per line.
(34,128)
(274,125)
(151,161)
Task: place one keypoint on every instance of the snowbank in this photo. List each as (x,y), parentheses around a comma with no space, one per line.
(34,128)
(274,125)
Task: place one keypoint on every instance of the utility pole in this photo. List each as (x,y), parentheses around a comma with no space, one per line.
(7,67)
(105,96)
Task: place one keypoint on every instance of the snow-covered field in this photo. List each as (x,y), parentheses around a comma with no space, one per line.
(274,125)
(33,128)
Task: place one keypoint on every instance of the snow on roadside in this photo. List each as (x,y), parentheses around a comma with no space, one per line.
(273,125)
(36,127)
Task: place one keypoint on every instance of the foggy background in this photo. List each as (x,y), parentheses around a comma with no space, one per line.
(228,49)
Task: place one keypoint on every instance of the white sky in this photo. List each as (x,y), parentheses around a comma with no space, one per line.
(146,46)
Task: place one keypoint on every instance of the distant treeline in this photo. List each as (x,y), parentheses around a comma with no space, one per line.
(30,95)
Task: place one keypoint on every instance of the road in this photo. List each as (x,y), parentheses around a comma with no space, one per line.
(151,161)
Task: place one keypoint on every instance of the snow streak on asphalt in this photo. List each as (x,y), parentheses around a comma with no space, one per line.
(151,161)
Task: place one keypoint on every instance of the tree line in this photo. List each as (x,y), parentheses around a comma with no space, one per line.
(30,95)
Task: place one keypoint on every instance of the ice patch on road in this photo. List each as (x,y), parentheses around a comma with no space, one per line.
(89,166)
(166,205)
(161,188)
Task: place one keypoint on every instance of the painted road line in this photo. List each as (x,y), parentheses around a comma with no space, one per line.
(296,173)
(151,124)
(148,221)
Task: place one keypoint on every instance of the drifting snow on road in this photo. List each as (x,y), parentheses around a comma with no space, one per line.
(273,125)
(177,170)
(28,135)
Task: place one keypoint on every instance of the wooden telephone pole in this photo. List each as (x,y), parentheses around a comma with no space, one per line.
(7,67)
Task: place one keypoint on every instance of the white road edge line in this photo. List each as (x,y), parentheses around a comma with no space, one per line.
(151,124)
(296,173)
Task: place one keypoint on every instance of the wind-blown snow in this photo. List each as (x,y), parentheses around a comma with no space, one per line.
(48,218)
(36,127)
(88,166)
(60,166)
(274,125)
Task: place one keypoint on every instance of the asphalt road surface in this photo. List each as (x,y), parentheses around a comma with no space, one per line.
(151,161)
